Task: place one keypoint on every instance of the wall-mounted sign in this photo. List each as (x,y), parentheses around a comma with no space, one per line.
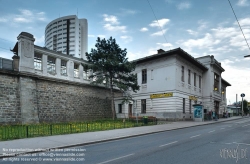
(161,95)
(193,98)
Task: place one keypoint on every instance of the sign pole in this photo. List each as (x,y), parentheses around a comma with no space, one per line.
(242,95)
(242,106)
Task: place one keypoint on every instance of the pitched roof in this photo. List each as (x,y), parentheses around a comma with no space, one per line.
(177,51)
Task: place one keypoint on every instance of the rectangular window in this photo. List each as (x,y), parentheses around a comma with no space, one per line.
(64,67)
(183,103)
(51,65)
(86,74)
(199,81)
(76,70)
(144,76)
(195,79)
(119,108)
(38,61)
(216,82)
(190,106)
(143,106)
(189,78)
(182,73)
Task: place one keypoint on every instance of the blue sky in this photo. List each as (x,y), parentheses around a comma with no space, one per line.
(199,27)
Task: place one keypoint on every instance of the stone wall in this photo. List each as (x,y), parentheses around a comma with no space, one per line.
(31,99)
(67,102)
(9,99)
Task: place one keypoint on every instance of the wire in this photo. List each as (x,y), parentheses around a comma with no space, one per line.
(239,24)
(158,23)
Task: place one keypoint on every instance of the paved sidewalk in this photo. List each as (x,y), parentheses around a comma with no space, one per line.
(15,147)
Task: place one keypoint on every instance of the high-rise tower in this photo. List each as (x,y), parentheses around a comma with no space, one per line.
(68,35)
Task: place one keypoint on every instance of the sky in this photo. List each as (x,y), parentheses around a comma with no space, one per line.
(199,27)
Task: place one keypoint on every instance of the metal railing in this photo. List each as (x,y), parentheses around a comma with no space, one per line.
(9,132)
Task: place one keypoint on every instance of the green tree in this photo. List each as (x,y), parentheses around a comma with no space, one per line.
(245,106)
(111,67)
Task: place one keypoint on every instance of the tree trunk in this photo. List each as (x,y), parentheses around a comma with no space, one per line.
(112,99)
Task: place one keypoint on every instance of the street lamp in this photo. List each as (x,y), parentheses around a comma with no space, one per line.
(246,56)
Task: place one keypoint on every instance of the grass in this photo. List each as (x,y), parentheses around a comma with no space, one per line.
(10,132)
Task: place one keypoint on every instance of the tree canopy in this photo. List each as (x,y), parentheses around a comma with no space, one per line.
(111,67)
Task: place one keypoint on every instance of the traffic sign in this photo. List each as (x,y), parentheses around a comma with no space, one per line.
(242,95)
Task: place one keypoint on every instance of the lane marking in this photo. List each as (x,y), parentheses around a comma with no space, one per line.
(116,158)
(195,136)
(168,143)
(211,131)
(229,126)
(222,128)
(241,143)
(245,125)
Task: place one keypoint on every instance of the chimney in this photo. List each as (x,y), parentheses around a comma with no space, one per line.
(160,51)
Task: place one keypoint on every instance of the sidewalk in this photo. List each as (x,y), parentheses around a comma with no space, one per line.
(38,144)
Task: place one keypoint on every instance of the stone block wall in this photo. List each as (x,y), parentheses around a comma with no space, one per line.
(30,99)
(9,99)
(58,102)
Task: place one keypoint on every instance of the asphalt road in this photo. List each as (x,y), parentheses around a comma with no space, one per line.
(223,143)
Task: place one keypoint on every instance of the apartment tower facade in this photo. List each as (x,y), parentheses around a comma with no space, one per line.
(68,35)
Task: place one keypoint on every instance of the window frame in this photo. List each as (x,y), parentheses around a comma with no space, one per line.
(189,76)
(144,76)
(182,74)
(119,108)
(143,106)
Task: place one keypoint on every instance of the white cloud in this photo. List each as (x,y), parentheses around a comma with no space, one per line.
(159,33)
(183,5)
(111,19)
(26,12)
(25,16)
(191,32)
(101,36)
(39,41)
(143,29)
(127,39)
(112,24)
(243,3)
(22,20)
(161,23)
(166,45)
(110,27)
(206,41)
(202,24)
(244,22)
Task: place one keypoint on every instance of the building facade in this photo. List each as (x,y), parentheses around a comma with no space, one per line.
(68,35)
(171,82)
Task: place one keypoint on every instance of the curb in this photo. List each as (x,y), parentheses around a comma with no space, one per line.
(106,140)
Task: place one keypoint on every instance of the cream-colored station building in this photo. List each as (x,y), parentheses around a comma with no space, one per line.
(171,82)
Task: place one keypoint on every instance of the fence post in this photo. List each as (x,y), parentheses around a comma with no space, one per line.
(87,127)
(70,128)
(27,131)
